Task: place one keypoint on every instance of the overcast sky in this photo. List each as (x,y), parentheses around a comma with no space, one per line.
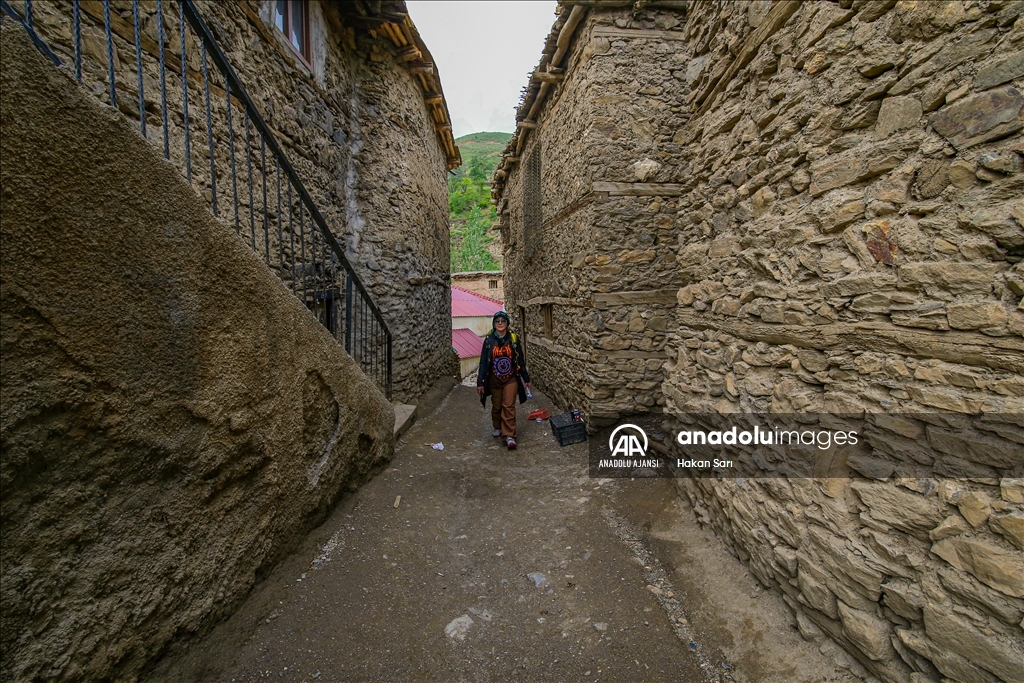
(485,52)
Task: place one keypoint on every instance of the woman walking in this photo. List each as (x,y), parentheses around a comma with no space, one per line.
(502,374)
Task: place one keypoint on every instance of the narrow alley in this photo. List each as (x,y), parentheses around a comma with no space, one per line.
(474,563)
(236,238)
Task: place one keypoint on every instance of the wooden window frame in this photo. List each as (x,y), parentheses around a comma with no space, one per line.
(305,52)
(547,311)
(492,284)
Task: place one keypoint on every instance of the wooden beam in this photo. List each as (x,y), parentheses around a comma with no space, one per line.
(528,125)
(545,77)
(433,97)
(615,32)
(409,53)
(560,300)
(418,67)
(666,297)
(641,189)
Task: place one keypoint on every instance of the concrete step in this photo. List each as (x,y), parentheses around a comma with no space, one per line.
(405,415)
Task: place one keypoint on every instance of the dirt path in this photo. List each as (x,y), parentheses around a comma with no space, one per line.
(503,566)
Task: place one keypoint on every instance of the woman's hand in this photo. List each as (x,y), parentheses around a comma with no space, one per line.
(479,391)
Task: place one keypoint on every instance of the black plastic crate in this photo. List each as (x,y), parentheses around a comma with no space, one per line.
(567,430)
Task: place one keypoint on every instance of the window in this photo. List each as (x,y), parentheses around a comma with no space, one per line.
(492,284)
(546,311)
(291,17)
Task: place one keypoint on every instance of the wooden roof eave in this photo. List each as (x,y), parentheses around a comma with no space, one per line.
(548,73)
(390,19)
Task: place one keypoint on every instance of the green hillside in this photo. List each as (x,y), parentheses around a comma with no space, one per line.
(469,200)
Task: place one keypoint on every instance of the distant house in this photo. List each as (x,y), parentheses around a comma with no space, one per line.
(468,345)
(487,283)
(471,321)
(473,311)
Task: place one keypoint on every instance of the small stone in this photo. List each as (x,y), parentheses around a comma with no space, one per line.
(458,627)
(973,316)
(961,174)
(958,278)
(987,176)
(1000,72)
(932,178)
(955,95)
(1011,489)
(954,633)
(976,507)
(990,564)
(873,9)
(800,180)
(817,62)
(845,215)
(870,69)
(1004,163)
(943,247)
(808,629)
(980,118)
(896,114)
(910,512)
(1011,526)
(646,168)
(867,632)
(953,525)
(871,468)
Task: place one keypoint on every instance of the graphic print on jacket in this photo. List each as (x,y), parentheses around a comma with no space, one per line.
(501,361)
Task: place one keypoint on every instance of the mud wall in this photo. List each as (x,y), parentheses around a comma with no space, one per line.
(851,244)
(172,417)
(353,123)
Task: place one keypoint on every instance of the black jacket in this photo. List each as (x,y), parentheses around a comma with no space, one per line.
(483,375)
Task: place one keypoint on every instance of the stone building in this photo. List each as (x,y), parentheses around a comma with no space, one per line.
(173,416)
(354,99)
(720,208)
(488,283)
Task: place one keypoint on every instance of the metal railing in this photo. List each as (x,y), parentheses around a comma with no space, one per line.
(230,156)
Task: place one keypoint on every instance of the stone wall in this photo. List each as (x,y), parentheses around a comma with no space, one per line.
(853,245)
(479,282)
(355,127)
(839,185)
(604,261)
(171,417)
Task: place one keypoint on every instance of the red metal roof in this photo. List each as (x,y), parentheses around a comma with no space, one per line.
(466,304)
(467,343)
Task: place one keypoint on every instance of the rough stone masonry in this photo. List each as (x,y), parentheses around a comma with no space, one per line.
(832,192)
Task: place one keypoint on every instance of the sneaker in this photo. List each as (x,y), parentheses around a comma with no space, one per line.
(510,442)
(496,433)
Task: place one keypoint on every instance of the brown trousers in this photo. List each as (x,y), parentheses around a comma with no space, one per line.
(503,406)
